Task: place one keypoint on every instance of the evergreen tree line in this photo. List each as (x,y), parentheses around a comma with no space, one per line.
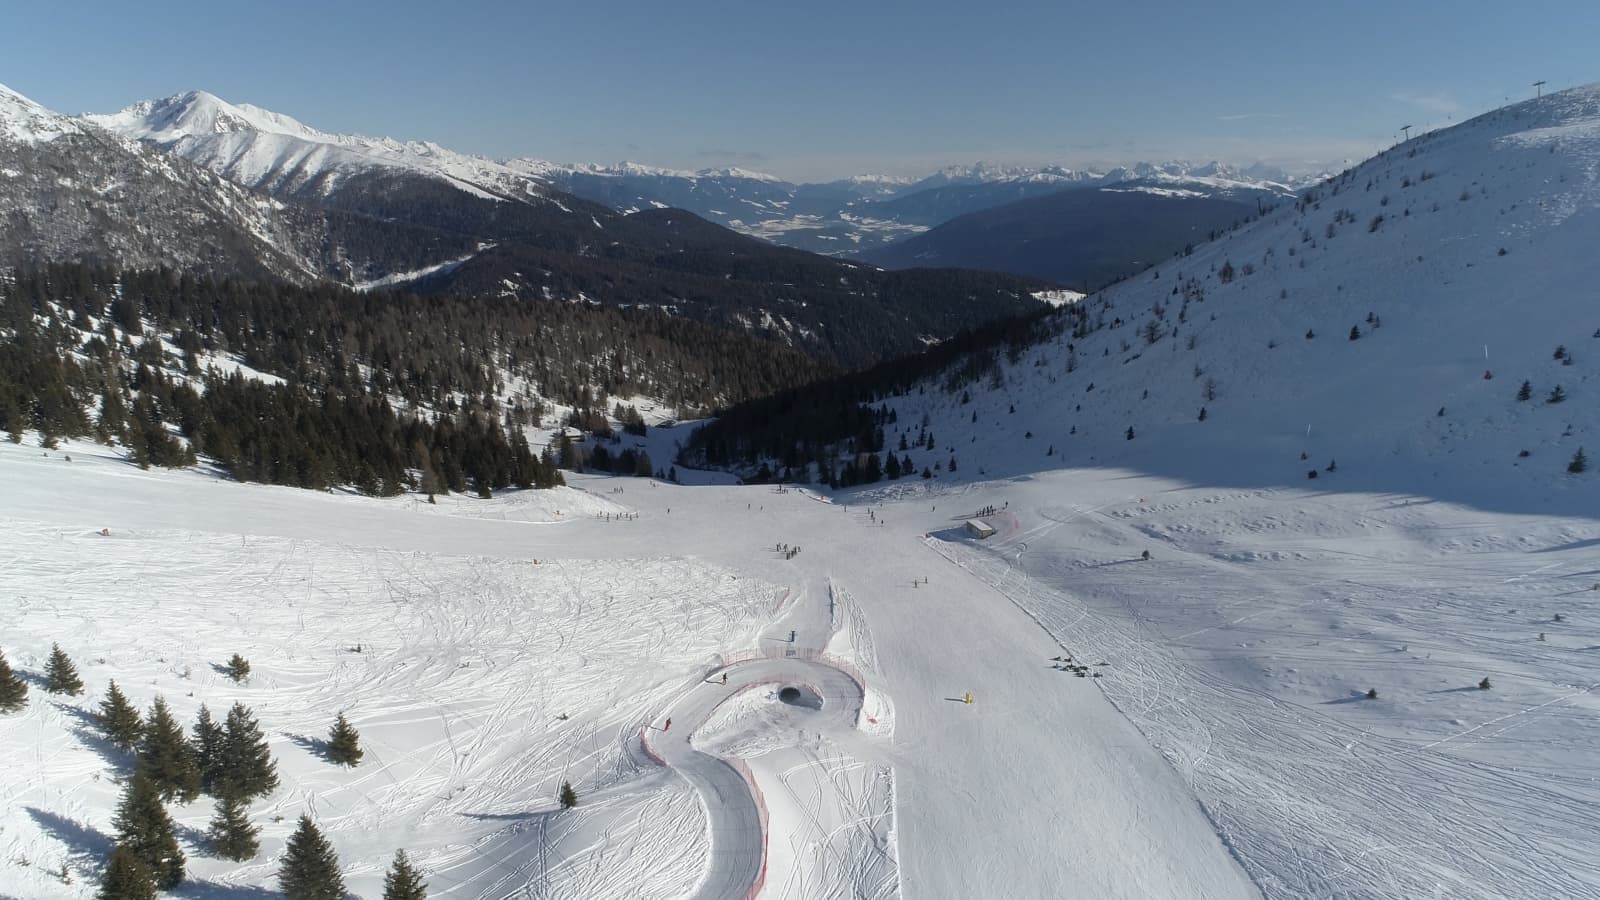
(843,417)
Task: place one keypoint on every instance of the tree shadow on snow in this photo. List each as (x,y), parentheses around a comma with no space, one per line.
(1574,545)
(81,840)
(315,746)
(88,731)
(210,890)
(194,838)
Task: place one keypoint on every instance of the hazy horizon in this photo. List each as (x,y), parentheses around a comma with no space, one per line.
(895,88)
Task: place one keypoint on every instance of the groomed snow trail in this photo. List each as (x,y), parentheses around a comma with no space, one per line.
(736,812)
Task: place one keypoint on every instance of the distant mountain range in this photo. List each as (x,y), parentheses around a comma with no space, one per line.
(197,184)
(858,216)
(849,217)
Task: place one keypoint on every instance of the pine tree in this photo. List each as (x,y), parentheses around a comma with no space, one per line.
(1557,395)
(145,830)
(1524,392)
(238,668)
(207,743)
(1355,332)
(232,835)
(166,758)
(13,690)
(344,743)
(126,877)
(119,720)
(1579,462)
(310,867)
(403,881)
(567,796)
(245,767)
(61,676)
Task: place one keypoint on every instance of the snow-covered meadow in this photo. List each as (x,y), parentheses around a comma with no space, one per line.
(479,682)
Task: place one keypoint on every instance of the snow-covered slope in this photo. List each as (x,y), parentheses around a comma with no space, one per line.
(275,153)
(508,645)
(1385,322)
(24,121)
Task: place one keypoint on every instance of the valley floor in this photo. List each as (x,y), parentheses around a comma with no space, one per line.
(1220,744)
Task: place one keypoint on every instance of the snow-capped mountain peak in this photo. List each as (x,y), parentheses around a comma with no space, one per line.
(201,113)
(278,153)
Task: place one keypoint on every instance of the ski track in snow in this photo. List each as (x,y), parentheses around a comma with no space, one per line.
(1434,788)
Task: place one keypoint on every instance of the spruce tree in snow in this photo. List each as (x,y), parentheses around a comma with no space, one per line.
(1579,462)
(1355,332)
(1557,395)
(1484,684)
(567,796)
(166,758)
(344,743)
(232,835)
(310,868)
(1202,413)
(238,668)
(126,877)
(145,830)
(403,881)
(60,675)
(13,690)
(245,768)
(207,743)
(1130,432)
(1524,392)
(119,720)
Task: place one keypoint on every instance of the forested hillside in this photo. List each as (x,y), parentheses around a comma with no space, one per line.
(325,386)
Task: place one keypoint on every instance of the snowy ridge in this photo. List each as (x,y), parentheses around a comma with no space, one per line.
(274,152)
(546,169)
(24,121)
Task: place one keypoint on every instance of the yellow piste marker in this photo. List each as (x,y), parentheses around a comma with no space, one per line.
(967,699)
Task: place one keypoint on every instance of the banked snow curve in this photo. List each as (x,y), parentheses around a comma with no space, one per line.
(735,809)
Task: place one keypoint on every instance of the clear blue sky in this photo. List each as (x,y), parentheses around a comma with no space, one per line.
(821,89)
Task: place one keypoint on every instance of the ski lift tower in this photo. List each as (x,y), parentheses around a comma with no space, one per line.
(1538,89)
